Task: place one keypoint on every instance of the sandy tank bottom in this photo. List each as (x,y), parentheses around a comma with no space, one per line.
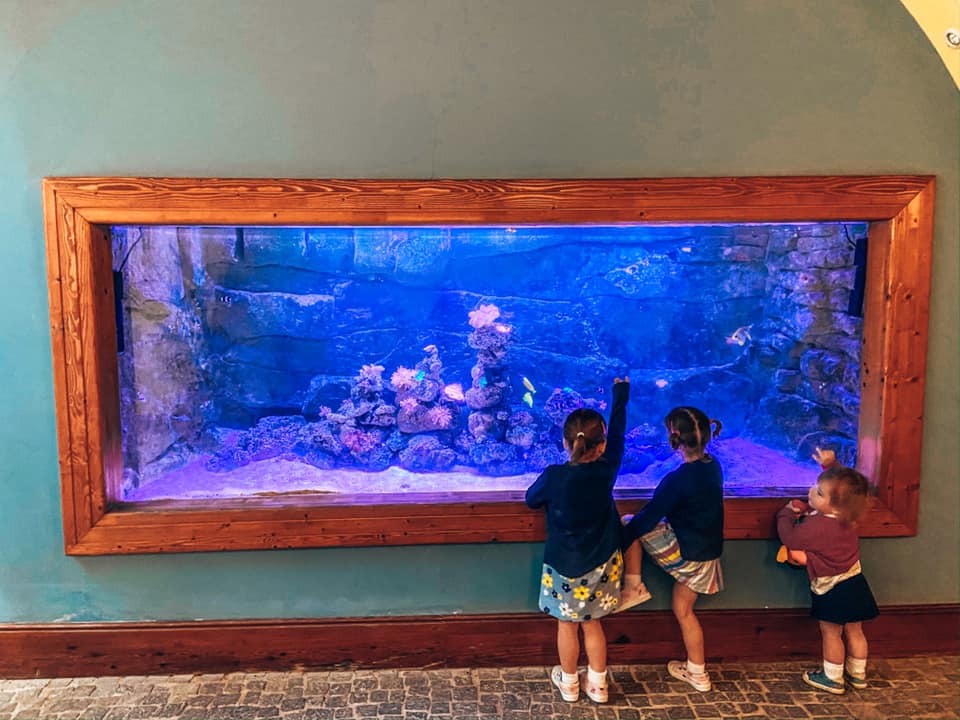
(748,469)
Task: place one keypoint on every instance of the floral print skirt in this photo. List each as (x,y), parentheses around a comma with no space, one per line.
(587,597)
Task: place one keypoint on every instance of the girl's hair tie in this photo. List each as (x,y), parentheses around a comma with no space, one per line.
(579,434)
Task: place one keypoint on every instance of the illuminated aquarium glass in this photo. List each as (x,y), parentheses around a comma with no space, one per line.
(259,361)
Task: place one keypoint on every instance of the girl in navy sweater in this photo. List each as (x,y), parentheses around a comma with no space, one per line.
(689,543)
(582,560)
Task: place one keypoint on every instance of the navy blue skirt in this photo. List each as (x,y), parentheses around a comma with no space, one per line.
(846,602)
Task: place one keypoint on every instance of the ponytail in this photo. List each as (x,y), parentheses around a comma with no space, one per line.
(583,430)
(690,427)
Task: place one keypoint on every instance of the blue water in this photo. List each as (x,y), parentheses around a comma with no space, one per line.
(447,358)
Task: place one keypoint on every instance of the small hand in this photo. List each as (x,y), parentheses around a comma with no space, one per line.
(626,379)
(824,458)
(798,506)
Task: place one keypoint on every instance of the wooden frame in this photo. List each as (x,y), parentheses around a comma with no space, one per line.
(78,211)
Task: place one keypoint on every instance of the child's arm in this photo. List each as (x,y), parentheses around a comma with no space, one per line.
(798,536)
(617,425)
(536,496)
(664,499)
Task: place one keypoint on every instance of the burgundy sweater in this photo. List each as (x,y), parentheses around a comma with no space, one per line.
(832,547)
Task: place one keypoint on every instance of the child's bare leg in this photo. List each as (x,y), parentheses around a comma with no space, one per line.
(631,559)
(683,600)
(832,637)
(856,662)
(856,640)
(595,643)
(568,645)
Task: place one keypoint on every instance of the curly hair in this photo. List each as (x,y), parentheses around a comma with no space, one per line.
(847,491)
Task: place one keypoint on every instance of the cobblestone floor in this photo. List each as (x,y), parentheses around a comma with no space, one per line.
(915,688)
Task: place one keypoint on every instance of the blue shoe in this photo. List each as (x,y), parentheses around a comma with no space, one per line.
(819,680)
(857,683)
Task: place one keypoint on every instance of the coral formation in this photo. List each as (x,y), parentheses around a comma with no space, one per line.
(416,421)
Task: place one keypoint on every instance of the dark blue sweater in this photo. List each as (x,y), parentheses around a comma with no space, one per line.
(583,527)
(691,499)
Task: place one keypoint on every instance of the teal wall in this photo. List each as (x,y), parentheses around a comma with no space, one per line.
(431,89)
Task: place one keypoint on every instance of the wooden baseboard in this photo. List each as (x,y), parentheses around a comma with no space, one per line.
(100,649)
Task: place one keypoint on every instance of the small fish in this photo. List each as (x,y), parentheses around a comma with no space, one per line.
(529,385)
(528,399)
(431,348)
(740,336)
(483,381)
(420,375)
(661,383)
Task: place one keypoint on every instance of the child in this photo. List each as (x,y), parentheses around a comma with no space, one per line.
(582,562)
(688,545)
(824,528)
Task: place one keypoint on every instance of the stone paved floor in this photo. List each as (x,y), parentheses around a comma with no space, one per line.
(915,688)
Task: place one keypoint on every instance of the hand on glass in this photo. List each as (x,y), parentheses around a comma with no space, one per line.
(824,458)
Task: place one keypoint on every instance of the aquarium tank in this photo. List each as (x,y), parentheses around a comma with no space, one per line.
(262,361)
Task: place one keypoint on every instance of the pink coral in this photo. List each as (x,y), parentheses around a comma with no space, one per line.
(483,316)
(371,372)
(403,378)
(409,404)
(357,441)
(454,391)
(440,416)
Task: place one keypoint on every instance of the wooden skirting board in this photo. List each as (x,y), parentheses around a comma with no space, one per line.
(151,648)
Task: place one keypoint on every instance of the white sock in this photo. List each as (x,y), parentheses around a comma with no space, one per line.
(566,677)
(595,678)
(857,666)
(832,670)
(631,581)
(696,669)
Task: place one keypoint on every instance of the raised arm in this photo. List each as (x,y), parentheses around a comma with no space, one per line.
(617,424)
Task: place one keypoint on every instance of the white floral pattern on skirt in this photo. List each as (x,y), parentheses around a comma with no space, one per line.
(587,597)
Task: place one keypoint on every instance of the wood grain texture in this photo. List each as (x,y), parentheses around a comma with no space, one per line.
(55,236)
(76,211)
(275,201)
(509,640)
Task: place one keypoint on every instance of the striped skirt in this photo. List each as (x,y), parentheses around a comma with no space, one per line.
(701,576)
